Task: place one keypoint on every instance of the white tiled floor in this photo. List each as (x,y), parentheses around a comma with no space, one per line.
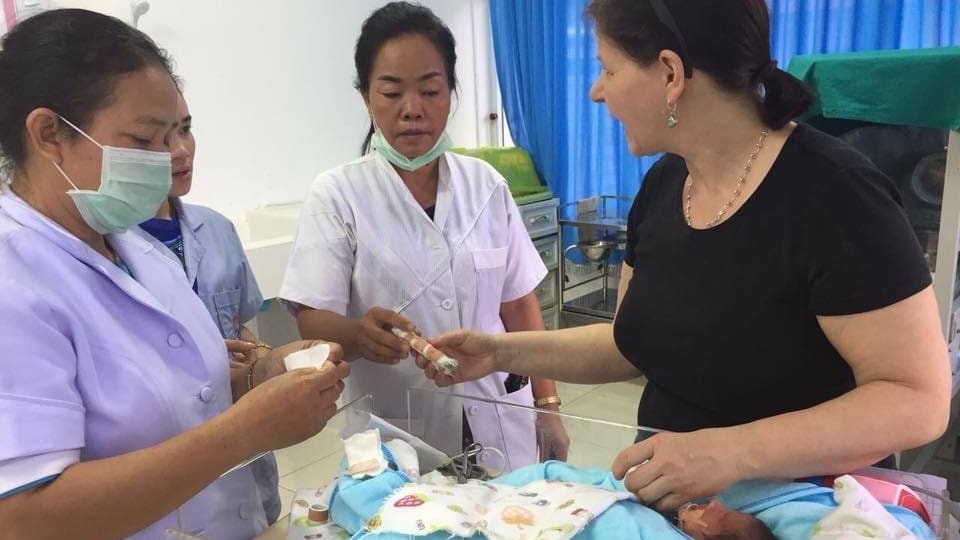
(313,463)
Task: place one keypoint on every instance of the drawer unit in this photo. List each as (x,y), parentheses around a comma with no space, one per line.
(547,292)
(540,218)
(549,249)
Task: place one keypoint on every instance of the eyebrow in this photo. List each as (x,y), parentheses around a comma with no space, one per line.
(424,77)
(430,75)
(153,121)
(187,119)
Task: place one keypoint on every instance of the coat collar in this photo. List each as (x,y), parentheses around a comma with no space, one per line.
(193,250)
(151,281)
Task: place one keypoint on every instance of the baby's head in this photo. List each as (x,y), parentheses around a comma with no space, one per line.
(714,521)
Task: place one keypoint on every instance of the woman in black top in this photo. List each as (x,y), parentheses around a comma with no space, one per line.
(773,294)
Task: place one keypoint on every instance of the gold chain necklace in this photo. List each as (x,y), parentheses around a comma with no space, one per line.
(736,193)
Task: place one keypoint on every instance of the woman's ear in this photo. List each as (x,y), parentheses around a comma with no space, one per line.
(44,134)
(673,79)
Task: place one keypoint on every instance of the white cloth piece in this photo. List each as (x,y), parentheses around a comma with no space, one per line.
(858,516)
(364,457)
(406,458)
(364,241)
(314,357)
(541,510)
(437,479)
(428,457)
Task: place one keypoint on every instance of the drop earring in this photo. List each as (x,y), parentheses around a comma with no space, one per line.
(672,119)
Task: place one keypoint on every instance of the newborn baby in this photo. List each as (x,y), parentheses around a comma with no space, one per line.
(714,521)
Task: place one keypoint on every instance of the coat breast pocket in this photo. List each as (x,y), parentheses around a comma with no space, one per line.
(490,269)
(227,304)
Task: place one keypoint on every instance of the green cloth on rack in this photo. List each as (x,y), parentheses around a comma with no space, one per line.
(916,87)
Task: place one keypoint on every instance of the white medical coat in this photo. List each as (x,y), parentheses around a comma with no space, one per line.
(97,364)
(364,241)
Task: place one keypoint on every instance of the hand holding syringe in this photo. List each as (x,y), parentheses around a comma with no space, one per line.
(443,362)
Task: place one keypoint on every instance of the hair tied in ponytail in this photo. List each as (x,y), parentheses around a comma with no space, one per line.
(766,71)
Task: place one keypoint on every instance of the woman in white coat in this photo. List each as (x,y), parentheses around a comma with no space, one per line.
(415,237)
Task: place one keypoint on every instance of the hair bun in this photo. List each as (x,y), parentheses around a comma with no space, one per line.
(784,97)
(766,71)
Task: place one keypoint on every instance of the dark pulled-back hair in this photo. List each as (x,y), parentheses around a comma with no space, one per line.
(392,21)
(67,60)
(728,40)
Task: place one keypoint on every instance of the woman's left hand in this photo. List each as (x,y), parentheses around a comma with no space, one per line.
(552,437)
(671,469)
(240,351)
(267,362)
(271,364)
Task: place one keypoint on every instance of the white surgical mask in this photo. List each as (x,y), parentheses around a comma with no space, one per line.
(379,143)
(133,185)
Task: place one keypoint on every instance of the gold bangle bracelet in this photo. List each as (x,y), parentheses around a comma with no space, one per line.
(547,401)
(250,374)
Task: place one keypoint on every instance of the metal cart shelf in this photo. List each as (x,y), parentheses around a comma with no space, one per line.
(591,264)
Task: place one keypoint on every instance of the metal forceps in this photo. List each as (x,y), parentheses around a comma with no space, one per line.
(464,465)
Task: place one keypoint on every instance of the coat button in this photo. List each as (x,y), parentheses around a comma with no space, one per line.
(472,410)
(175,340)
(447,304)
(207,394)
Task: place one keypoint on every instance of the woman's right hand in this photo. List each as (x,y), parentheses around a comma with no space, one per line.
(475,353)
(289,408)
(376,342)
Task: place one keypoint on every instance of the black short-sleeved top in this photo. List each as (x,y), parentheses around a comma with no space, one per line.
(723,321)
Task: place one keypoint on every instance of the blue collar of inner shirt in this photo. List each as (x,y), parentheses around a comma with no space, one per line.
(164,230)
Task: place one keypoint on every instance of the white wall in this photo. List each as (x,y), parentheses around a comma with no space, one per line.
(270,85)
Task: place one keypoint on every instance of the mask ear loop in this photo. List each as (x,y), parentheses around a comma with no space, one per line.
(80,131)
(69,181)
(89,138)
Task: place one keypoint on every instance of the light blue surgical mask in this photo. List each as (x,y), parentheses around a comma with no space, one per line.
(379,143)
(133,185)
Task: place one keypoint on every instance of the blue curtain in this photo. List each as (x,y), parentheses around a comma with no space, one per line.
(822,26)
(546,63)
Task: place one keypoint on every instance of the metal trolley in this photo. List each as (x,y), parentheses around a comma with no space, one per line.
(597,229)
